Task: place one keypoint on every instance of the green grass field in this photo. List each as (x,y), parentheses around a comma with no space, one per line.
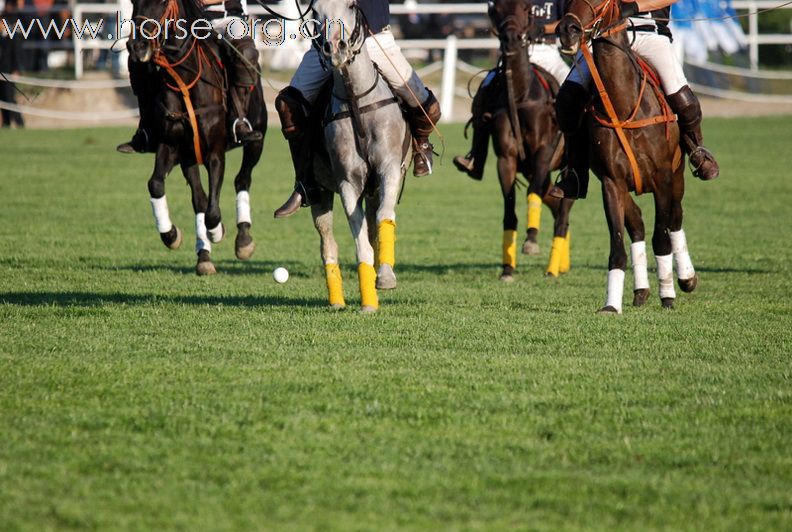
(135,395)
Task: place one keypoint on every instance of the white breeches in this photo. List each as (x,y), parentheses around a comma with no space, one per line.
(310,76)
(548,57)
(658,52)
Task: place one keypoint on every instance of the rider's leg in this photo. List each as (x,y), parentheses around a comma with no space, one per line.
(473,163)
(292,105)
(548,57)
(144,84)
(659,52)
(573,96)
(423,109)
(245,60)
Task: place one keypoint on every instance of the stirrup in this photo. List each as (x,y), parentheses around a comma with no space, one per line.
(561,188)
(131,145)
(253,135)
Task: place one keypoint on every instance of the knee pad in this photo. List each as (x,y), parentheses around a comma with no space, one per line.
(291,105)
(571,102)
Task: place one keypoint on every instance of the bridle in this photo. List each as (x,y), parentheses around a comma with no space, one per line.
(607,13)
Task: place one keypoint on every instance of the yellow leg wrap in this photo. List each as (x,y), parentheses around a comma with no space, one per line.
(556,253)
(335,287)
(534,211)
(386,242)
(367,278)
(565,256)
(510,248)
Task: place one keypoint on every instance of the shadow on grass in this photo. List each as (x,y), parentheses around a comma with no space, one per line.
(93,299)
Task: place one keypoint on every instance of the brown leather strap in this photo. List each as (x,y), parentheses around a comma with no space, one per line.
(190,111)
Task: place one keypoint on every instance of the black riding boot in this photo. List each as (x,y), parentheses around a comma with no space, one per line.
(688,110)
(144,84)
(294,122)
(570,107)
(422,120)
(241,129)
(473,163)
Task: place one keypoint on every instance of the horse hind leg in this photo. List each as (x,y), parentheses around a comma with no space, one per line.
(169,233)
(560,260)
(385,219)
(244,245)
(661,245)
(637,231)
(506,171)
(322,213)
(534,218)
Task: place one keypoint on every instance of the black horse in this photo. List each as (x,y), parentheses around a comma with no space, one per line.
(190,118)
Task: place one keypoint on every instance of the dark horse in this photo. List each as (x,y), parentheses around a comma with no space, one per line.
(634,147)
(191,114)
(526,137)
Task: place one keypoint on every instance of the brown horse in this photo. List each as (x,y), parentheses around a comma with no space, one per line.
(634,147)
(526,137)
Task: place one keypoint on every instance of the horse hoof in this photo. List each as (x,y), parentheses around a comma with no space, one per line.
(688,285)
(607,310)
(551,274)
(204,266)
(667,302)
(530,248)
(217,234)
(244,246)
(173,238)
(368,309)
(386,279)
(640,297)
(506,278)
(337,306)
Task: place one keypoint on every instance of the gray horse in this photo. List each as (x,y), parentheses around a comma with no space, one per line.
(367,141)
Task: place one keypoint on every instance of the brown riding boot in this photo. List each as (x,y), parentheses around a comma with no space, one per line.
(294,122)
(472,164)
(421,125)
(688,110)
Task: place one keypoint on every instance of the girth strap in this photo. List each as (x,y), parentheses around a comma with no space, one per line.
(363,110)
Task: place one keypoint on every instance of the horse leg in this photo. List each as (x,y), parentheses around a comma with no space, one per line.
(559,261)
(353,206)
(612,195)
(661,245)
(215,165)
(637,232)
(322,213)
(539,178)
(203,247)
(507,168)
(687,278)
(244,244)
(386,227)
(165,159)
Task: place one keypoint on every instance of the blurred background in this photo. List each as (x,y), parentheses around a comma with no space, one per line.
(740,65)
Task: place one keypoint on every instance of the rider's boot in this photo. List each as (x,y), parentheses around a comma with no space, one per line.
(294,122)
(472,164)
(144,85)
(241,129)
(570,106)
(422,120)
(688,110)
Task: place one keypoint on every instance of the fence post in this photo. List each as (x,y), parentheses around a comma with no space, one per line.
(449,79)
(753,36)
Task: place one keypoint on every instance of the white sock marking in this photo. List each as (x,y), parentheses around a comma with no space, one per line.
(615,292)
(639,264)
(684,266)
(665,275)
(201,239)
(159,206)
(243,207)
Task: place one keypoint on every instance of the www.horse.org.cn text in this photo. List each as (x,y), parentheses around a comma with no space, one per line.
(272,32)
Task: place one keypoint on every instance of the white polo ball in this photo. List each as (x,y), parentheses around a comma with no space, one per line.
(281,275)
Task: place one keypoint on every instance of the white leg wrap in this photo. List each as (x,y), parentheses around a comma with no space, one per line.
(615,289)
(216,233)
(201,239)
(639,264)
(159,206)
(665,275)
(684,266)
(243,207)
